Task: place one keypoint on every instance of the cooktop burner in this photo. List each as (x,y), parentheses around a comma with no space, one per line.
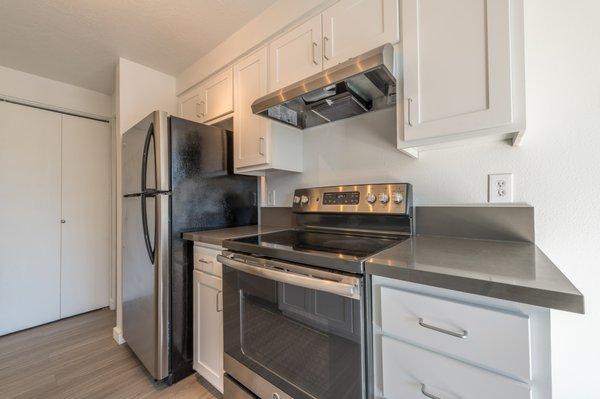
(359,246)
(338,227)
(334,250)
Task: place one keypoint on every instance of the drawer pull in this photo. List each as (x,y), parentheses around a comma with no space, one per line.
(208,262)
(463,334)
(219,308)
(429,395)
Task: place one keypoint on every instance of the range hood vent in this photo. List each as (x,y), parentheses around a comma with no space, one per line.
(359,85)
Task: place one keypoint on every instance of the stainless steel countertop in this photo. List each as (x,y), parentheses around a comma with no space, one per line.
(216,237)
(514,271)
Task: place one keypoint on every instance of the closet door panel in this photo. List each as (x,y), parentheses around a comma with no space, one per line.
(86,189)
(30,217)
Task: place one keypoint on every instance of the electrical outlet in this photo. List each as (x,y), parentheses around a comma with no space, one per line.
(500,187)
(271,198)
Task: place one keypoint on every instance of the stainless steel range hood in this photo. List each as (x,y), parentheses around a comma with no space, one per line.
(358,85)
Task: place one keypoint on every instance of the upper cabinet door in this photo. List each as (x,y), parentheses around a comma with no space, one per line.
(457,66)
(217,95)
(295,55)
(352,27)
(190,105)
(251,132)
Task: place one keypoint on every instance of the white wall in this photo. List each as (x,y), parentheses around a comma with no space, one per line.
(36,90)
(557,169)
(139,90)
(142,90)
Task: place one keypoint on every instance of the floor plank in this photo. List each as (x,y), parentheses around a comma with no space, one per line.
(77,358)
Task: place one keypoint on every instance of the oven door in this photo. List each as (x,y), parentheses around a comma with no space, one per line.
(293,330)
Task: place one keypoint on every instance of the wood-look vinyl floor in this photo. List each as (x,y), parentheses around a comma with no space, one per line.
(78,358)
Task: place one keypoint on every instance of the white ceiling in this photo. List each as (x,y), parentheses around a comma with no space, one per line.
(80,41)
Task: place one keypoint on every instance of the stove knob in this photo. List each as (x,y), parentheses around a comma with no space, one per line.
(371,198)
(397,197)
(296,199)
(384,198)
(304,200)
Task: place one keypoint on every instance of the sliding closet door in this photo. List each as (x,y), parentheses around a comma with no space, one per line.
(86,214)
(29,217)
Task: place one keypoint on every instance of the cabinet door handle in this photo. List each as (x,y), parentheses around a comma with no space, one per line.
(409,111)
(261,146)
(427,394)
(325,41)
(462,334)
(203,107)
(315,45)
(198,110)
(219,294)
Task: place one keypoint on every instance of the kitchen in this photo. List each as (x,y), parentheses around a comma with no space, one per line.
(451,228)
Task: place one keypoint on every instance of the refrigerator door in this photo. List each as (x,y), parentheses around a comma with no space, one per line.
(204,195)
(145,155)
(146,280)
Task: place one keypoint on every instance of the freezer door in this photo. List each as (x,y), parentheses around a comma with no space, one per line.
(145,155)
(146,280)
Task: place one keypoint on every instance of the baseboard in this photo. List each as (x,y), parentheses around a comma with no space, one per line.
(118,335)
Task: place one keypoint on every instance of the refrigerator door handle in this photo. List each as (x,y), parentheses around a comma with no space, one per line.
(149,137)
(145,229)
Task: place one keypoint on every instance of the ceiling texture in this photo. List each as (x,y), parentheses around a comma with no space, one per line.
(79,41)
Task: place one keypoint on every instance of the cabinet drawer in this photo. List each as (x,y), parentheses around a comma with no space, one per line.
(489,338)
(205,260)
(410,372)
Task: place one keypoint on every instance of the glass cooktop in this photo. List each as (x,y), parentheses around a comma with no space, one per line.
(335,250)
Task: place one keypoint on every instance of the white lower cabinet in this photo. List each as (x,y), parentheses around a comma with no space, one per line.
(496,339)
(208,316)
(411,372)
(205,260)
(437,343)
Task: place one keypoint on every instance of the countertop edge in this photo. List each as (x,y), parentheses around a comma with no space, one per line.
(218,236)
(532,296)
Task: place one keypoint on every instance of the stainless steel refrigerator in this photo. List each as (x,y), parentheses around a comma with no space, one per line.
(177,177)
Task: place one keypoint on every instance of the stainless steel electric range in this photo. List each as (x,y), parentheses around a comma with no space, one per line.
(297,302)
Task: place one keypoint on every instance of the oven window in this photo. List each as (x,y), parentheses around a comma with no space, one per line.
(308,343)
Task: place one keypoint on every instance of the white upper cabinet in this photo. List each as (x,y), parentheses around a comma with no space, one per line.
(352,27)
(217,95)
(190,106)
(296,54)
(210,100)
(259,143)
(463,69)
(250,131)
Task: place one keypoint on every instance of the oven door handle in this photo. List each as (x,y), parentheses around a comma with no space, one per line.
(348,286)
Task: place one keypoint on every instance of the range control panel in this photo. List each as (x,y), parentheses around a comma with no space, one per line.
(343,198)
(393,198)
